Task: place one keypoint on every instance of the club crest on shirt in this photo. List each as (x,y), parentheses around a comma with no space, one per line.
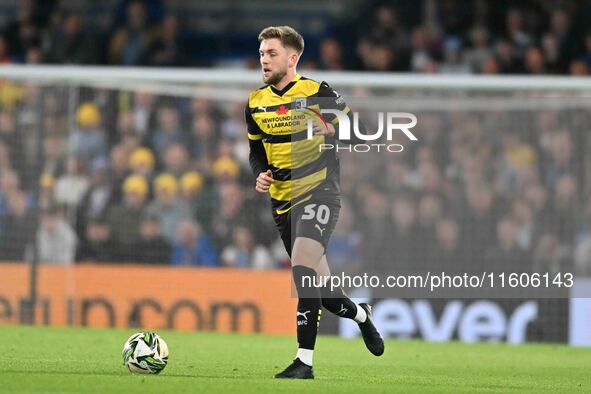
(300,104)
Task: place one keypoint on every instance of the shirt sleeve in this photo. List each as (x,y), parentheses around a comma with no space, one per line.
(254,131)
(331,99)
(257,156)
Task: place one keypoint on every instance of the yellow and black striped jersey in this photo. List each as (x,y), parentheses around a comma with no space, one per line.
(277,130)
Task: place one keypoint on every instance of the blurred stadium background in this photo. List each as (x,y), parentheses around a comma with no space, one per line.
(106,170)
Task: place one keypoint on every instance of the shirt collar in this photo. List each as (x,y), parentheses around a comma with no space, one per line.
(281,92)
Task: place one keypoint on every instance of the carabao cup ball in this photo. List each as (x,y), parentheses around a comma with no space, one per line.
(145,352)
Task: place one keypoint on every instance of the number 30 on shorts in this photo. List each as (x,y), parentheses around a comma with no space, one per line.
(320,212)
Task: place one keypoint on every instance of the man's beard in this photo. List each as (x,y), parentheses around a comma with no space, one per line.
(275,78)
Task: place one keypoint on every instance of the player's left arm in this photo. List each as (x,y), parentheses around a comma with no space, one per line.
(333,100)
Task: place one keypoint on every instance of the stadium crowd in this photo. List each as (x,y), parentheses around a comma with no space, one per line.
(426,36)
(138,177)
(153,179)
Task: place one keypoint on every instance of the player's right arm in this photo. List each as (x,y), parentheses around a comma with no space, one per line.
(258,157)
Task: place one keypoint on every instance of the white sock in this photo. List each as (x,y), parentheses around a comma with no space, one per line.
(361,315)
(305,356)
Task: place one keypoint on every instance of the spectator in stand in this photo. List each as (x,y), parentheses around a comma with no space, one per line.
(578,68)
(515,31)
(191,185)
(490,66)
(142,113)
(582,253)
(428,176)
(586,55)
(18,225)
(505,255)
(477,165)
(452,58)
(21,30)
(88,139)
(423,52)
(98,246)
(232,126)
(10,136)
(517,160)
(71,187)
(56,240)
(131,41)
(168,130)
(99,198)
(528,38)
(478,219)
(5,57)
(561,159)
(124,218)
(176,160)
(402,251)
(204,106)
(331,55)
(9,184)
(119,170)
(168,49)
(447,254)
(167,208)
(5,162)
(527,231)
(242,252)
(345,245)
(536,196)
(566,38)
(46,191)
(430,212)
(70,44)
(204,139)
(150,247)
(551,50)
(54,162)
(131,141)
(142,162)
(373,225)
(192,247)
(234,210)
(225,169)
(479,50)
(387,38)
(550,255)
(566,209)
(125,125)
(29,102)
(201,197)
(534,61)
(509,61)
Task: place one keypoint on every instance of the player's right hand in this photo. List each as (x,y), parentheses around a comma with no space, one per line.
(264,181)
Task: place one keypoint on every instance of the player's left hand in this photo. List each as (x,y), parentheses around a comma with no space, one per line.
(320,128)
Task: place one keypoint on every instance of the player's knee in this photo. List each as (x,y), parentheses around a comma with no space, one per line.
(306,257)
(307,252)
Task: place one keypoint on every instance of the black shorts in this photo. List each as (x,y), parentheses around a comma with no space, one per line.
(315,218)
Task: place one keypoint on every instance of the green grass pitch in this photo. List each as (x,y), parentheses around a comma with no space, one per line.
(77,360)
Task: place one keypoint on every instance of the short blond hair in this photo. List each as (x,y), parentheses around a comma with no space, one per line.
(288,36)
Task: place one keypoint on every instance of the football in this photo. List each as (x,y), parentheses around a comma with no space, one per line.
(145,352)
